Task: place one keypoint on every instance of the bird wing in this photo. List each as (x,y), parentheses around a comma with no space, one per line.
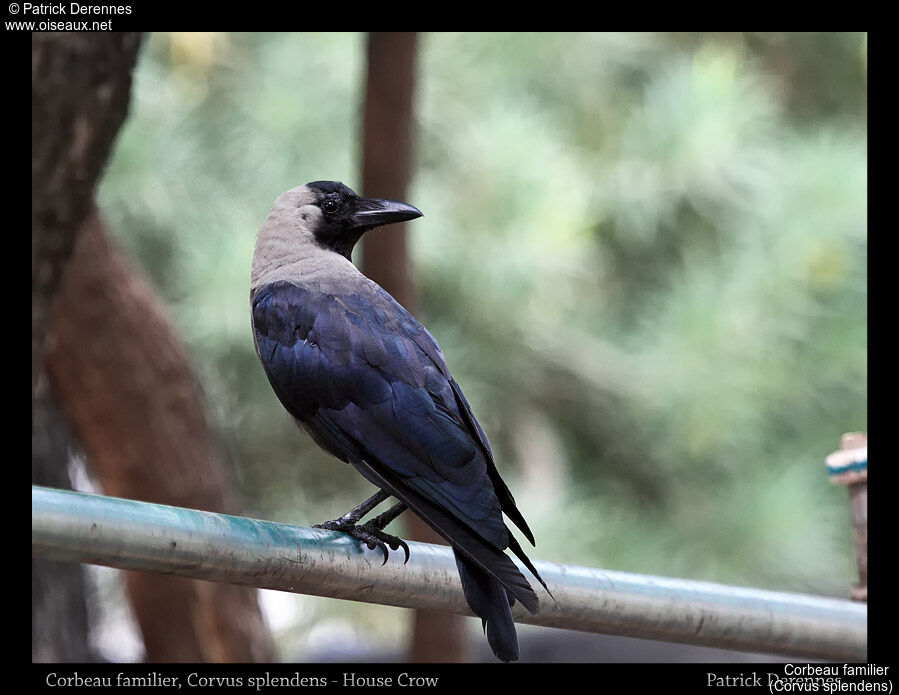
(370,384)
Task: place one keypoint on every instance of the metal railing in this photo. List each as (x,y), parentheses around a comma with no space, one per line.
(125,534)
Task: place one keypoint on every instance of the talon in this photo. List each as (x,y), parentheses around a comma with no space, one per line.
(373,543)
(401,544)
(392,541)
(370,534)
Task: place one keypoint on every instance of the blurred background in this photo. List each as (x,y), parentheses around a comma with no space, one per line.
(644,256)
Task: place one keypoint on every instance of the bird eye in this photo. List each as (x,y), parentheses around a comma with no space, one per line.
(329,205)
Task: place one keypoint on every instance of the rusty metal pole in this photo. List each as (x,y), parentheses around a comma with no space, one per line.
(849,467)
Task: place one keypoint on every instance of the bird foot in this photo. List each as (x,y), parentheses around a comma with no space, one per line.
(370,534)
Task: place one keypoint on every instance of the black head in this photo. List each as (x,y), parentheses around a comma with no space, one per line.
(346,217)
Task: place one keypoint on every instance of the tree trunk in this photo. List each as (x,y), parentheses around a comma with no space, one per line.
(59,624)
(116,370)
(80,89)
(127,387)
(387,162)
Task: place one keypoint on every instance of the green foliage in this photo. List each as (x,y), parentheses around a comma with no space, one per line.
(644,256)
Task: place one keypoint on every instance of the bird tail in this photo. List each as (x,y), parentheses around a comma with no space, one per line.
(492,603)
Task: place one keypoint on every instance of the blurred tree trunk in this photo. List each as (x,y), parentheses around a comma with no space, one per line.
(437,636)
(90,319)
(126,384)
(80,89)
(59,625)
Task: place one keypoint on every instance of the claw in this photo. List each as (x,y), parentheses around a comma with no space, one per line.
(372,544)
(370,534)
(400,543)
(395,543)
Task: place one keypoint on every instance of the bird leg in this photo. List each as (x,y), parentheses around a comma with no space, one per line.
(380,521)
(371,532)
(375,528)
(356,513)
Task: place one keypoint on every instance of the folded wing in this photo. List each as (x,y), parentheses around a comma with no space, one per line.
(371,386)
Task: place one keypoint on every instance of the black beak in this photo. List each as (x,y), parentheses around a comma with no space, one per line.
(374,212)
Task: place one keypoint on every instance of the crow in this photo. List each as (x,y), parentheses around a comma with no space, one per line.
(371,386)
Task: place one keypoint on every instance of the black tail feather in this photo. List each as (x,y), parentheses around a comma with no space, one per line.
(515,547)
(492,604)
(489,559)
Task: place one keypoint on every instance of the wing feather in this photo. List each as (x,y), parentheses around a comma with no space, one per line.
(371,386)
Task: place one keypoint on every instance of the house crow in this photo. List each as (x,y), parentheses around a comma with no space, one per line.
(370,385)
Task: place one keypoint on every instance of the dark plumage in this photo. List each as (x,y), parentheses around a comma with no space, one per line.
(371,386)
